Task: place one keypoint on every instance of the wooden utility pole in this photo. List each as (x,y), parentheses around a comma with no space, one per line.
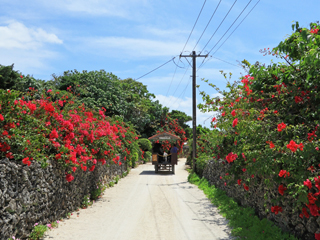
(194,105)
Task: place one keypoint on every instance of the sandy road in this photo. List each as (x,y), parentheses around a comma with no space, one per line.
(147,206)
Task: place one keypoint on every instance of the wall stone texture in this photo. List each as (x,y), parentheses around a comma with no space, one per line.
(30,195)
(259,198)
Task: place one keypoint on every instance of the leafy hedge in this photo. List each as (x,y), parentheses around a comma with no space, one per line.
(267,125)
(40,129)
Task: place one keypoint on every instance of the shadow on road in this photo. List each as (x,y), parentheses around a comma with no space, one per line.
(160,173)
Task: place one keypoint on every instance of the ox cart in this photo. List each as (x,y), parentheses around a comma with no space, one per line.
(160,160)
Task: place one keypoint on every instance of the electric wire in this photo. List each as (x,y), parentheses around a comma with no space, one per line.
(172,78)
(219,25)
(186,45)
(194,25)
(183,92)
(178,85)
(155,68)
(230,26)
(230,35)
(237,27)
(207,25)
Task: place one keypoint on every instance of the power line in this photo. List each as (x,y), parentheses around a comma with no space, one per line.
(230,26)
(219,26)
(172,78)
(207,25)
(183,92)
(156,68)
(237,26)
(194,25)
(230,36)
(178,84)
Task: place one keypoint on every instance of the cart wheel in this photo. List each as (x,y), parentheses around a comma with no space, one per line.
(173,169)
(156,168)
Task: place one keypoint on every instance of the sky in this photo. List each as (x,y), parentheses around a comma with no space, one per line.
(132,37)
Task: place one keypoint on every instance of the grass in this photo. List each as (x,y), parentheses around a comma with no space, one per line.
(242,220)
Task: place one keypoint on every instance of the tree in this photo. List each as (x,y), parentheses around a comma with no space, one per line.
(182,119)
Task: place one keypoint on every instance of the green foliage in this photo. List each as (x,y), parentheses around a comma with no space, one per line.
(135,159)
(96,89)
(201,162)
(116,179)
(243,221)
(8,77)
(38,232)
(144,144)
(96,193)
(182,119)
(248,116)
(86,201)
(147,156)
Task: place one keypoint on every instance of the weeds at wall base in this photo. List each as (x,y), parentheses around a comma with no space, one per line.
(243,221)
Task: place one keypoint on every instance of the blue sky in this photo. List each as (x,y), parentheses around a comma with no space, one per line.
(131,37)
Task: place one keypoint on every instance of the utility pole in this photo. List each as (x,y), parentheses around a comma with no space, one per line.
(194,105)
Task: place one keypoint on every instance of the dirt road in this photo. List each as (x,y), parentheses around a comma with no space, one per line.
(147,206)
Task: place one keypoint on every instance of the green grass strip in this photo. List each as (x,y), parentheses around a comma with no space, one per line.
(242,220)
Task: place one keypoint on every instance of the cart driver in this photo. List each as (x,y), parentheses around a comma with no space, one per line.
(174,149)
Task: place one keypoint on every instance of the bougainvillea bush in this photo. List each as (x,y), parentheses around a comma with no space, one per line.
(40,129)
(171,125)
(268,123)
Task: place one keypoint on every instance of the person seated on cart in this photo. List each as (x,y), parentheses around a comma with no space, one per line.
(158,149)
(174,149)
(165,156)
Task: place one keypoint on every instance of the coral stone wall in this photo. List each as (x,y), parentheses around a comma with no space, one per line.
(259,197)
(33,194)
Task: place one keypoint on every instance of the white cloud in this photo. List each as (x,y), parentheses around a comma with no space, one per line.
(15,35)
(28,48)
(185,105)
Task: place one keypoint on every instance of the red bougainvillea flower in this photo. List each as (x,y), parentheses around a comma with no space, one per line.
(220,177)
(223,114)
(213,119)
(293,146)
(243,169)
(281,126)
(284,173)
(69,177)
(317,148)
(276,209)
(233,113)
(54,134)
(26,161)
(304,213)
(271,145)
(315,30)
(1,117)
(235,122)
(239,181)
(308,183)
(245,187)
(21,76)
(281,189)
(231,157)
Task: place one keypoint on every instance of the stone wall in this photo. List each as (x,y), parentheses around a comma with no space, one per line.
(258,195)
(30,195)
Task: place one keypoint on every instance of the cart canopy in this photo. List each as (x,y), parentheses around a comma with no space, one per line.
(163,136)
